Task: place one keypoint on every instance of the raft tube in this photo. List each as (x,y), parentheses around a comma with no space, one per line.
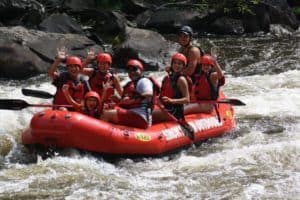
(65,129)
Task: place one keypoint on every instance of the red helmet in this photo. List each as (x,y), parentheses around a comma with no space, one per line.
(207,59)
(104,57)
(179,56)
(73,60)
(92,94)
(135,63)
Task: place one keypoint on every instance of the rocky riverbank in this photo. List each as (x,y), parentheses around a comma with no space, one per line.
(32,30)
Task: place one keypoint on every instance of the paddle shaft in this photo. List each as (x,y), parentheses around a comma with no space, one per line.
(234,102)
(19,104)
(187,129)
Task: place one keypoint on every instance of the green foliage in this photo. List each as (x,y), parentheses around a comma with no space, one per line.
(296,10)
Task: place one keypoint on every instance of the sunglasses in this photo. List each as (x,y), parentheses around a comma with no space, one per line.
(131,68)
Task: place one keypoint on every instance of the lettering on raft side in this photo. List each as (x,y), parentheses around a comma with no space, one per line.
(198,125)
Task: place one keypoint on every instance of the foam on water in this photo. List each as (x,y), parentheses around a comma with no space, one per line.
(267,95)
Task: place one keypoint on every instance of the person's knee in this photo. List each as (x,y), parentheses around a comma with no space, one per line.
(108,115)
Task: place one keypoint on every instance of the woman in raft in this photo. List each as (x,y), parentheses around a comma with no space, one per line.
(174,91)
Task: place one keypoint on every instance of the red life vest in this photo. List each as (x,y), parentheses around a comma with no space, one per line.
(129,88)
(92,113)
(169,86)
(204,88)
(76,91)
(129,91)
(97,80)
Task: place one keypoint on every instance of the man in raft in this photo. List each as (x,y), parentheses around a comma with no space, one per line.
(70,77)
(135,108)
(191,52)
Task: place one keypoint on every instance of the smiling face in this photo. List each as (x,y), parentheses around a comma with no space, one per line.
(206,67)
(103,66)
(177,65)
(73,70)
(134,72)
(91,103)
(183,39)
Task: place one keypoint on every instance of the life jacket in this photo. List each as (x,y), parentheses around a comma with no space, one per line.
(204,89)
(130,92)
(76,89)
(92,113)
(169,86)
(97,80)
(129,88)
(169,89)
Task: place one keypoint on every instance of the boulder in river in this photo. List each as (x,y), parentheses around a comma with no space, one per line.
(148,46)
(19,12)
(60,23)
(25,53)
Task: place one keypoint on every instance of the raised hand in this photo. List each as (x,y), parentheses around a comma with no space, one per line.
(215,52)
(107,85)
(61,53)
(91,55)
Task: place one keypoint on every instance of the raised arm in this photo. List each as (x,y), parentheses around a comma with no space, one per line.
(70,100)
(61,55)
(90,57)
(118,85)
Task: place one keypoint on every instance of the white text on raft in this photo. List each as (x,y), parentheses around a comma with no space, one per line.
(198,125)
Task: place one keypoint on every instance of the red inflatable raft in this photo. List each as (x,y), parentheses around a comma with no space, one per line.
(63,129)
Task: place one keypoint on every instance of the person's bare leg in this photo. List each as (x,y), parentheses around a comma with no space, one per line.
(110,116)
(159,116)
(197,108)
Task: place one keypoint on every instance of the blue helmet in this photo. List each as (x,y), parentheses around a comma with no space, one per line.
(187,30)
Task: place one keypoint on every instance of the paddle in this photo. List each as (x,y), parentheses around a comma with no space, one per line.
(19,104)
(47,95)
(234,102)
(186,128)
(37,93)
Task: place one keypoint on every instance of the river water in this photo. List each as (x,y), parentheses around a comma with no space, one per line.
(260,159)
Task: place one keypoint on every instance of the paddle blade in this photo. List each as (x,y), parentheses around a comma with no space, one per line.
(36,93)
(235,102)
(13,104)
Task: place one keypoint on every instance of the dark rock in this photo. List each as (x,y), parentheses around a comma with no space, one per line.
(30,52)
(293,3)
(167,20)
(18,12)
(60,23)
(79,5)
(281,13)
(148,46)
(134,7)
(111,24)
(18,62)
(105,24)
(260,21)
(228,26)
(52,6)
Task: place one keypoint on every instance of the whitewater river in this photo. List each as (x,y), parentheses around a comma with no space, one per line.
(260,159)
